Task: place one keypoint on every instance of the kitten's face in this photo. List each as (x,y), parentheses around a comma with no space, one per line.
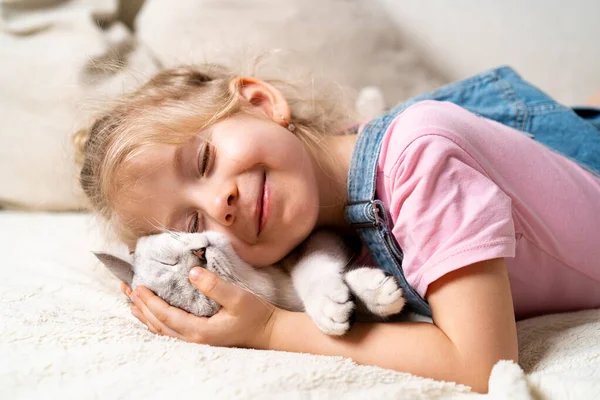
(162,263)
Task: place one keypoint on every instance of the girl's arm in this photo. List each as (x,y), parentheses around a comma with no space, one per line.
(473,328)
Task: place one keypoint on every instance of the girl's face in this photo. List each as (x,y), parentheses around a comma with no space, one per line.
(247,177)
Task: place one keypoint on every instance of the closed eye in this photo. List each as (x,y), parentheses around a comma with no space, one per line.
(195,224)
(170,263)
(204,159)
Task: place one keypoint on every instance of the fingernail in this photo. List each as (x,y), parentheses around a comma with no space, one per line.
(128,292)
(195,274)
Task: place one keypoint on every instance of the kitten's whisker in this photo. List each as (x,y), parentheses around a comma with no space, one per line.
(160,227)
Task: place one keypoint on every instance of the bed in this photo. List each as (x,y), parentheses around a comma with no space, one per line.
(66,332)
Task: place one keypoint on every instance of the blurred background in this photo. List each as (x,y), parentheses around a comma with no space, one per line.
(60,60)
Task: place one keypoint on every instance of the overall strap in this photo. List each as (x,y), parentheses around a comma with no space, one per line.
(368,215)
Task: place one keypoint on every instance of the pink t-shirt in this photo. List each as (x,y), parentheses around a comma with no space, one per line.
(461,189)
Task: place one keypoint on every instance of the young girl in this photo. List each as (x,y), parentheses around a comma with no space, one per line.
(481,222)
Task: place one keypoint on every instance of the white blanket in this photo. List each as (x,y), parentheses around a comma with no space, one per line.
(66,332)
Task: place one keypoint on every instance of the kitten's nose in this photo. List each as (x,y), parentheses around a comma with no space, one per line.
(200,253)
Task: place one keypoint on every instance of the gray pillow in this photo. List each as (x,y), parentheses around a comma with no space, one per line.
(58,67)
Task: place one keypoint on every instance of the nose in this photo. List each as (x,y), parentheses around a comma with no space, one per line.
(201,254)
(224,205)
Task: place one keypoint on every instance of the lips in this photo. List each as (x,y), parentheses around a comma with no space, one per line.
(262,206)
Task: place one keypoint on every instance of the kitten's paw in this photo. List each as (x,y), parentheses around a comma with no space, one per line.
(379,291)
(330,306)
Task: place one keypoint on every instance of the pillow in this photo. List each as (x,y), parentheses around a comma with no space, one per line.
(58,65)
(351,42)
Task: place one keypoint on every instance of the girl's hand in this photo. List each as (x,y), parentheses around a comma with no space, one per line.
(244,320)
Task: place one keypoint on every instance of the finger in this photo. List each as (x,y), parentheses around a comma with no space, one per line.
(188,326)
(159,326)
(142,318)
(125,288)
(138,314)
(225,293)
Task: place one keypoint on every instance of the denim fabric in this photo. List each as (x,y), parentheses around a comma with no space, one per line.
(498,94)
(590,114)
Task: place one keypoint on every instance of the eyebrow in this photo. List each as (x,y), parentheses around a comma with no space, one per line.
(178,160)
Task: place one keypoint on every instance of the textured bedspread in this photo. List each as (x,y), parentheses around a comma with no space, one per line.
(66,332)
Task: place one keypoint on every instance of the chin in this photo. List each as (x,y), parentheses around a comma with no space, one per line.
(276,249)
(269,257)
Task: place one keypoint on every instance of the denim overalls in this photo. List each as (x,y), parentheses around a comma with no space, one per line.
(499,94)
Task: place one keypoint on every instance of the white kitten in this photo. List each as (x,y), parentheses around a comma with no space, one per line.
(315,278)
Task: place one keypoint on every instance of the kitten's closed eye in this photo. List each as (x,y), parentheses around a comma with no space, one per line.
(170,263)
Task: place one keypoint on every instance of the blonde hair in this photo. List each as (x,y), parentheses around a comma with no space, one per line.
(173,105)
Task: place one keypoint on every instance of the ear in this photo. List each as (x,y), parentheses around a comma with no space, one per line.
(264,97)
(119,267)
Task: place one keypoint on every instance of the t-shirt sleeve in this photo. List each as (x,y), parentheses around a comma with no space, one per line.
(447,213)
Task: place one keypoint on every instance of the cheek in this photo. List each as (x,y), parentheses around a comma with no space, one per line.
(239,151)
(275,149)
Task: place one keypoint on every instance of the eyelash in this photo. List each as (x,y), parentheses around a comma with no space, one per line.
(194,227)
(206,155)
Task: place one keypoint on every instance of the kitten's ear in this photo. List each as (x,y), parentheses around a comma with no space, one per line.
(119,267)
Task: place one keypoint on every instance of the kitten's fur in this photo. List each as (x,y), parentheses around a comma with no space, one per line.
(315,278)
